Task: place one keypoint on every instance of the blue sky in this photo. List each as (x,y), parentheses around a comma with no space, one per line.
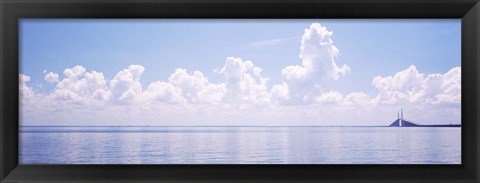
(370,48)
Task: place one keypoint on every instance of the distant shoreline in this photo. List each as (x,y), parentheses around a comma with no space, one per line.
(448,125)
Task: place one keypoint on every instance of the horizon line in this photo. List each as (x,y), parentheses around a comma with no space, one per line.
(217,125)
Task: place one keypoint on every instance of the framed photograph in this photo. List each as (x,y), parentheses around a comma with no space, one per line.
(310,91)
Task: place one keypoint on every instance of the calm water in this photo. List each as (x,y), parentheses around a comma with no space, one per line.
(239,145)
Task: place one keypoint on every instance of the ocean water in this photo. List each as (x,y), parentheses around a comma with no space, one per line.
(239,145)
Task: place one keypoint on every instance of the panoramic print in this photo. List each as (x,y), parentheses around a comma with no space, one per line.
(205,91)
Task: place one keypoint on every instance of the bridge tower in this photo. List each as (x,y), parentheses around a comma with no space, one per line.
(402,114)
(400,122)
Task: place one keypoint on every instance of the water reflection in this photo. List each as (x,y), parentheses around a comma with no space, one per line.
(239,145)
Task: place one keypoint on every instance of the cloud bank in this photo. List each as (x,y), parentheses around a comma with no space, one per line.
(86,97)
(411,86)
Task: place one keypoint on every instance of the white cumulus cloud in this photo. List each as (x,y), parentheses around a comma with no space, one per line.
(79,85)
(183,87)
(164,92)
(125,86)
(25,90)
(303,84)
(51,77)
(244,82)
(196,88)
(411,86)
(319,55)
(332,97)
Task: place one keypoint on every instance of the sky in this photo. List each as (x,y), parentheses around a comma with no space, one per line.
(239,72)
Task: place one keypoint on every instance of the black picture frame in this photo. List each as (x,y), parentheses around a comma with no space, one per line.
(12,10)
